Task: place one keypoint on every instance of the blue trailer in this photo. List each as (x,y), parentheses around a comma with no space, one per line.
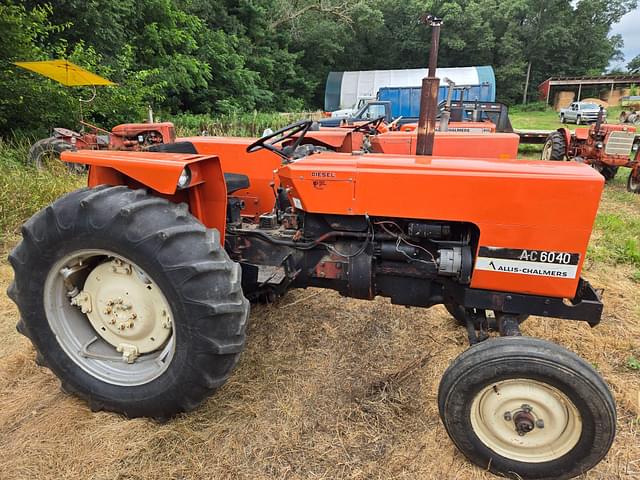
(405,101)
(350,90)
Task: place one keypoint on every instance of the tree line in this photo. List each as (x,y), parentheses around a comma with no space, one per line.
(227,56)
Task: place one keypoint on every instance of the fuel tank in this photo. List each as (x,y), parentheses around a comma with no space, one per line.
(533,231)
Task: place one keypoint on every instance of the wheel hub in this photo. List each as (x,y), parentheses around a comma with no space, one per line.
(125,308)
(526,420)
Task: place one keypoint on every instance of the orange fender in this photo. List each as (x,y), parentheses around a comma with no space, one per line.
(206,193)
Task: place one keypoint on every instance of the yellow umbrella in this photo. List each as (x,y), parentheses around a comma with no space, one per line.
(65,72)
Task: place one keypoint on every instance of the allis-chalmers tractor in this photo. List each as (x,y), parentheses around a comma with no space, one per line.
(135,291)
(605,147)
(128,136)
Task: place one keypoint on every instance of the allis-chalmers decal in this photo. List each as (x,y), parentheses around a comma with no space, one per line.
(528,262)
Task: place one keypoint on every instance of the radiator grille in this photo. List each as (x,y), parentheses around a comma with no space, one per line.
(619,143)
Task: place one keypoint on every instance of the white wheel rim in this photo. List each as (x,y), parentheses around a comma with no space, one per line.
(557,424)
(546,151)
(130,356)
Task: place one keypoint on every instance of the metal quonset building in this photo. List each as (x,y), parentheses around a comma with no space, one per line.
(345,89)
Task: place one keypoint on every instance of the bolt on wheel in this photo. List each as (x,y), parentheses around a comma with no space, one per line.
(129,300)
(526,408)
(526,420)
(110,317)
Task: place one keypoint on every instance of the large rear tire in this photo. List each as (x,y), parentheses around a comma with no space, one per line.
(129,300)
(45,155)
(555,148)
(526,408)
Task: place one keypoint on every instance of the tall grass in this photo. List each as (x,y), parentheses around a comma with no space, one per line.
(25,190)
(236,125)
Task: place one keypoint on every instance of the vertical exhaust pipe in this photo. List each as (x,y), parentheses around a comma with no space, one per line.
(429,97)
(599,119)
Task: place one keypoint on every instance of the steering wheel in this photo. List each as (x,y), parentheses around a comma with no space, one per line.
(270,141)
(371,126)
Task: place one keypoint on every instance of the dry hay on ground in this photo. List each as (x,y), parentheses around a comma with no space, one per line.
(329,387)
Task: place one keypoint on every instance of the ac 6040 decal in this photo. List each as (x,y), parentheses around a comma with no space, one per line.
(528,262)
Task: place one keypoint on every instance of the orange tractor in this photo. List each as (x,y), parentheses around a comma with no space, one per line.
(136,290)
(605,147)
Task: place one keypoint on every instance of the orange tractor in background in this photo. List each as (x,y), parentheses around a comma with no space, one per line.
(136,290)
(606,147)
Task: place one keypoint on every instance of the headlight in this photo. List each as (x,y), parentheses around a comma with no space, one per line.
(185,178)
(599,145)
(634,147)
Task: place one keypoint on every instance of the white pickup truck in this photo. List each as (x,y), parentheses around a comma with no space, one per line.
(581,112)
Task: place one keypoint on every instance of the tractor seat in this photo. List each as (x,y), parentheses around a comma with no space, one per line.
(234,181)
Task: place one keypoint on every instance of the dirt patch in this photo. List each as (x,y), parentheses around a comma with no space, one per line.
(329,387)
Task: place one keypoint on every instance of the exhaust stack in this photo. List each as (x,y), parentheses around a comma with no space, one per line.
(429,97)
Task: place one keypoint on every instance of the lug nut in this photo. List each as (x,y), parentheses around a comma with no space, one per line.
(540,423)
(107,310)
(121,326)
(507,416)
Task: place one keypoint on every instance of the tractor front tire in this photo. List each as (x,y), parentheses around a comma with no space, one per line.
(45,154)
(555,148)
(129,300)
(527,408)
(633,183)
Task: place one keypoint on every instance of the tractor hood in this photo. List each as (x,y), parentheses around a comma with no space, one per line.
(515,204)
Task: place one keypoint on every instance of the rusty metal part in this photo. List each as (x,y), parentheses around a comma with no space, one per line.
(429,98)
(524,422)
(428,112)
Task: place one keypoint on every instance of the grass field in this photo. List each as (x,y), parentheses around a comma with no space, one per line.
(328,388)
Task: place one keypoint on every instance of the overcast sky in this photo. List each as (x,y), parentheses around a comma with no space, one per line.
(629,28)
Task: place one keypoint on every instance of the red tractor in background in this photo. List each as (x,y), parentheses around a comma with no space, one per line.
(128,136)
(605,147)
